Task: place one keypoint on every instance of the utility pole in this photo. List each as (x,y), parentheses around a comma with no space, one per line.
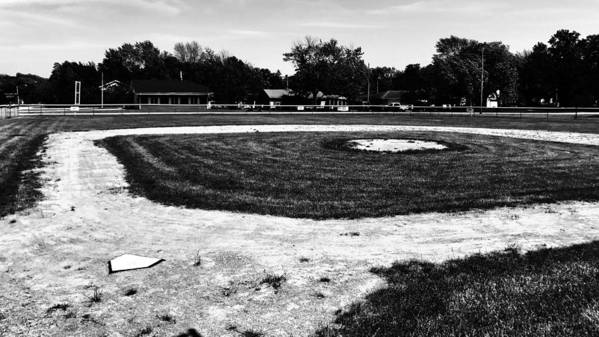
(77,93)
(368,76)
(482,79)
(102,90)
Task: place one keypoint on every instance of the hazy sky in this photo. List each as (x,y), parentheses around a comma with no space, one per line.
(36,33)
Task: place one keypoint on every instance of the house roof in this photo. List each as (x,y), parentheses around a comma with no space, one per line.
(171,86)
(277,93)
(392,94)
(111,84)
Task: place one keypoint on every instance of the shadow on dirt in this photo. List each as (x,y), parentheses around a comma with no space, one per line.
(190,333)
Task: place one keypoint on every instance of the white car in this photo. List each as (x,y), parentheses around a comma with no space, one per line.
(400,106)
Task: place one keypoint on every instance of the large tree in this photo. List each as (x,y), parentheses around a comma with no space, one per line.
(327,67)
(232,80)
(459,69)
(537,80)
(141,60)
(590,53)
(62,82)
(32,88)
(565,48)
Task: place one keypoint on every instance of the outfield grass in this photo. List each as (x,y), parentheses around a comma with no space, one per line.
(307,175)
(20,138)
(552,292)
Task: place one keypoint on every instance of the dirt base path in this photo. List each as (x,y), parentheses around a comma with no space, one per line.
(56,253)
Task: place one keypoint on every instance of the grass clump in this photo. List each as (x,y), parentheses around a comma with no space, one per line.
(197,259)
(130,292)
(551,292)
(273,280)
(96,296)
(57,307)
(167,318)
(145,331)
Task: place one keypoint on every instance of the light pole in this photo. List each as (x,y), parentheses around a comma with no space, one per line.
(482,78)
(102,90)
(368,77)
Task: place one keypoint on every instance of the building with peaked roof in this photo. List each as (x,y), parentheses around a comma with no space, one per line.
(276,96)
(332,100)
(169,92)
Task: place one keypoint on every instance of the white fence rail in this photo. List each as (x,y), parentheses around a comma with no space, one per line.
(8,111)
(215,109)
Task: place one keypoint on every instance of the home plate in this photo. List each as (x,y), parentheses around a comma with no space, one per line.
(131,262)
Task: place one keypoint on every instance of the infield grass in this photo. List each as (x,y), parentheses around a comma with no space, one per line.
(22,138)
(307,175)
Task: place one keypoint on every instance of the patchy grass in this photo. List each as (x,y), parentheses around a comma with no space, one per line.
(319,295)
(552,292)
(145,331)
(167,318)
(251,333)
(296,175)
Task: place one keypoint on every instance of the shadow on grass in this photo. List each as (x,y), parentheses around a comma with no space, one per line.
(551,292)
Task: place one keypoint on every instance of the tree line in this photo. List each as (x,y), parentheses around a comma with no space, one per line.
(562,72)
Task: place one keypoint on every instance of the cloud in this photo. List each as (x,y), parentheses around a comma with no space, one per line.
(163,6)
(440,6)
(341,25)
(249,33)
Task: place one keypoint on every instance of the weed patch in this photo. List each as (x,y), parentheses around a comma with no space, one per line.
(275,281)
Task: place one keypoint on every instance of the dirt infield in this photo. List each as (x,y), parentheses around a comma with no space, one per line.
(56,252)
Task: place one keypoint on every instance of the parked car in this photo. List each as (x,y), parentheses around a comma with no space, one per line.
(400,107)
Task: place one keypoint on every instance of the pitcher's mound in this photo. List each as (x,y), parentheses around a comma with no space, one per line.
(393,145)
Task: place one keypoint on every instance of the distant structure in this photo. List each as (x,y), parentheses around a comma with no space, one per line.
(390,96)
(169,92)
(330,99)
(112,85)
(493,99)
(276,97)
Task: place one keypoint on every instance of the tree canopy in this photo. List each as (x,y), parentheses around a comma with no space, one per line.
(327,67)
(563,71)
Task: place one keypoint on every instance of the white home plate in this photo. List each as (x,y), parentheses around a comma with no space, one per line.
(131,262)
(394,145)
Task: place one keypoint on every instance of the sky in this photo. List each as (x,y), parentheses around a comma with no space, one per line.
(34,34)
